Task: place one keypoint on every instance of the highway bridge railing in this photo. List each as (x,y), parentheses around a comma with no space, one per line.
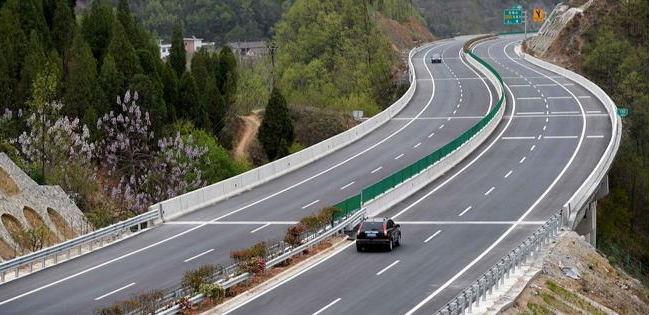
(574,209)
(569,216)
(58,253)
(496,275)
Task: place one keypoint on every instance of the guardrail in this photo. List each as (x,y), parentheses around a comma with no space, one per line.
(496,276)
(211,194)
(574,209)
(228,277)
(392,189)
(53,255)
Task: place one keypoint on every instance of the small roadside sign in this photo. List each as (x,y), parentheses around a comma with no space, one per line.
(538,15)
(513,16)
(623,111)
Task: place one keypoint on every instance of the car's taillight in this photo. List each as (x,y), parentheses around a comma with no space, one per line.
(385,229)
(360,228)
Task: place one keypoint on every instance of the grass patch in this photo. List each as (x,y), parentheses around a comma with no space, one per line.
(538,309)
(573,298)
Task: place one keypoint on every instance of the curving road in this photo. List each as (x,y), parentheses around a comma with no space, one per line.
(450,98)
(456,228)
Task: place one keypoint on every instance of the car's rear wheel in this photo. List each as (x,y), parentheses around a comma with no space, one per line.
(398,242)
(390,245)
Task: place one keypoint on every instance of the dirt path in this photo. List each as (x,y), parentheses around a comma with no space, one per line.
(252,123)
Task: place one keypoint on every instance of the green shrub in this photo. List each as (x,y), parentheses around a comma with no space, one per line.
(294,234)
(193,279)
(213,291)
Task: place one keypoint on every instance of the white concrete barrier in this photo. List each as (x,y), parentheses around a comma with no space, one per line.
(574,208)
(186,203)
(402,191)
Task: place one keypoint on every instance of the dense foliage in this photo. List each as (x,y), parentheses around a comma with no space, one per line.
(616,57)
(276,131)
(332,54)
(60,77)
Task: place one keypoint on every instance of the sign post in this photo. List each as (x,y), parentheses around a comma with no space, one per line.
(623,111)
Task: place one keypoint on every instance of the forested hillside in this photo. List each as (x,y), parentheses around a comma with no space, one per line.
(608,44)
(86,103)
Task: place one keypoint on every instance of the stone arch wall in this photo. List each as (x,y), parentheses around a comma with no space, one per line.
(61,224)
(36,221)
(7,185)
(12,226)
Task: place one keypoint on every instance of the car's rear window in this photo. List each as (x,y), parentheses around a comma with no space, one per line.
(369,226)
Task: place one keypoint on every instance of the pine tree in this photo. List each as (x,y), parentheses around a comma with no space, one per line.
(188,106)
(170,90)
(124,54)
(34,61)
(83,97)
(14,48)
(177,55)
(124,17)
(227,78)
(97,28)
(215,105)
(63,26)
(112,82)
(201,69)
(276,130)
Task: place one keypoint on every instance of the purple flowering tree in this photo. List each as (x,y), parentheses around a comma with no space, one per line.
(141,170)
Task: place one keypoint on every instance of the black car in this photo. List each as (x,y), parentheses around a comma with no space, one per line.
(436,59)
(382,232)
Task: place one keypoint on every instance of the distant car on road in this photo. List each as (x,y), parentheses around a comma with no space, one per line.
(382,232)
(436,58)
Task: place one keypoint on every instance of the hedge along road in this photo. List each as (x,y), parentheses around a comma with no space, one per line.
(510,186)
(165,250)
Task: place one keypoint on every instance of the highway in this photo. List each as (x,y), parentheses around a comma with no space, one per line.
(450,98)
(457,227)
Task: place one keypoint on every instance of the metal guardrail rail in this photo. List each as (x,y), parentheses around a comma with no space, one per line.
(113,232)
(496,276)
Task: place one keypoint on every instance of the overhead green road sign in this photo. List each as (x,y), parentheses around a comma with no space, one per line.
(513,16)
(623,111)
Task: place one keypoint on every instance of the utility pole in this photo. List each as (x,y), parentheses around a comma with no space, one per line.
(272,47)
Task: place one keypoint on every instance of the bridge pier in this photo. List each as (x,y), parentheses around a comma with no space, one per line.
(587,226)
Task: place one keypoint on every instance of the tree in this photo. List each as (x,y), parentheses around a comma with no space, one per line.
(14,48)
(33,63)
(142,170)
(188,105)
(63,27)
(214,104)
(200,67)
(97,28)
(227,79)
(150,100)
(111,81)
(177,55)
(125,57)
(276,131)
(83,96)
(170,90)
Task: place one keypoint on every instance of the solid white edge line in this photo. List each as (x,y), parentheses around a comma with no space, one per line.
(431,237)
(115,291)
(327,306)
(259,228)
(204,253)
(388,267)
(510,229)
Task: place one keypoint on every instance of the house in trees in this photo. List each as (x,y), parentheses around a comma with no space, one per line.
(192,44)
(249,49)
